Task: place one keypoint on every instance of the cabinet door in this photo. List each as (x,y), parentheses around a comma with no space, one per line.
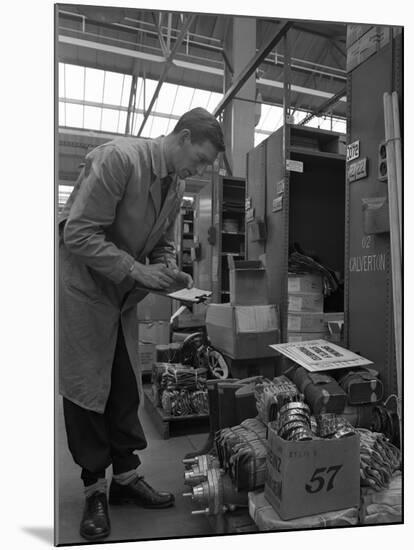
(202,223)
(256,199)
(368,282)
(277,223)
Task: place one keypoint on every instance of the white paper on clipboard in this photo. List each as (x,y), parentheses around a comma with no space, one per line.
(194,295)
(320,355)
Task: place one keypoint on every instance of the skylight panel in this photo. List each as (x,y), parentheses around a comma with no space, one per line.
(121,122)
(74,115)
(113,88)
(62,118)
(274,118)
(61,77)
(110,120)
(149,88)
(137,124)
(166,98)
(213,101)
(94,85)
(183,100)
(200,99)
(158,126)
(74,81)
(92,119)
(126,90)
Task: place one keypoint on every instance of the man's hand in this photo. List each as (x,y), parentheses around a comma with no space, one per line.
(156,276)
(186,280)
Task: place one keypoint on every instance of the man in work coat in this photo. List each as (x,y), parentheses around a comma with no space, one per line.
(116,235)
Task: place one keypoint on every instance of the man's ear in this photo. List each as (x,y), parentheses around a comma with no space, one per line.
(184,135)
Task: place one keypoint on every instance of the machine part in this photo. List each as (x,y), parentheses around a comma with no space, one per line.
(217,365)
(242,451)
(300,434)
(216,495)
(200,465)
(295,405)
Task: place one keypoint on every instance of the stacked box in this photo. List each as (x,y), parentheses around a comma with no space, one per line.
(150,335)
(305,307)
(243,332)
(305,478)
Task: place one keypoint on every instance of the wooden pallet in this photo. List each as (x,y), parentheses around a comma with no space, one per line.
(174,425)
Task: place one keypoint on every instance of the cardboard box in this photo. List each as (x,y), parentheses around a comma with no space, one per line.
(146,356)
(243,332)
(306,301)
(248,283)
(305,283)
(155,332)
(306,322)
(312,477)
(154,308)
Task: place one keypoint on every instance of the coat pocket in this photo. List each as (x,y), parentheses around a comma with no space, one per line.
(77,277)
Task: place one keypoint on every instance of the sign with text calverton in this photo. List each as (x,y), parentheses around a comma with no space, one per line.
(320,355)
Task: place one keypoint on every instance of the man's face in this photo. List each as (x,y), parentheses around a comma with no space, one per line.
(193,158)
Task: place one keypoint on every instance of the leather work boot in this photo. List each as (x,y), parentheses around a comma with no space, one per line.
(139,493)
(95,522)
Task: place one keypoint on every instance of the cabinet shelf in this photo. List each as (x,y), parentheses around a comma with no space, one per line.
(315,153)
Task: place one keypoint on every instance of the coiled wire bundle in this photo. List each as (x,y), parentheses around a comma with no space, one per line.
(294,422)
(184,402)
(182,390)
(379,459)
(271,395)
(242,451)
(333,426)
(175,376)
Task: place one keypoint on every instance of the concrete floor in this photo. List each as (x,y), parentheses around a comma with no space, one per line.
(163,469)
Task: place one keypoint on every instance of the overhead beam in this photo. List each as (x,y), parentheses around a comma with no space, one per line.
(322,109)
(160,36)
(179,63)
(300,27)
(250,68)
(187,24)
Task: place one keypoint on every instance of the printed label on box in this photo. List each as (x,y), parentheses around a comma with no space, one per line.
(294,165)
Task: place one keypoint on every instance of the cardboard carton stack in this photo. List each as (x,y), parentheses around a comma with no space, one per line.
(245,327)
(306,317)
(154,313)
(305,308)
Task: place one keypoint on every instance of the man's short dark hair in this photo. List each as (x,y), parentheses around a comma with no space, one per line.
(202,125)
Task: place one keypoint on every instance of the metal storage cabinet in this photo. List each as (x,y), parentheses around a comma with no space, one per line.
(305,207)
(228,210)
(368,282)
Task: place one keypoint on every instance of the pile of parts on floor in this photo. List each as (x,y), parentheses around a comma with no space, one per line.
(315,451)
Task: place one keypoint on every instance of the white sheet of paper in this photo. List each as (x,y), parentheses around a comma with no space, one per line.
(320,355)
(189,294)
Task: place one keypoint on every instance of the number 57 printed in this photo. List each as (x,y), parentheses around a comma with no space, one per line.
(322,477)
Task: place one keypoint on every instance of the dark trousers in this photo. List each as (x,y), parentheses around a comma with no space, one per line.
(98,440)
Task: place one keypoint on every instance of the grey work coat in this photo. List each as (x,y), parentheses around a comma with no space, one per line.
(113,217)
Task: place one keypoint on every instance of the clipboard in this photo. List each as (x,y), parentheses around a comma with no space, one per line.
(185,295)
